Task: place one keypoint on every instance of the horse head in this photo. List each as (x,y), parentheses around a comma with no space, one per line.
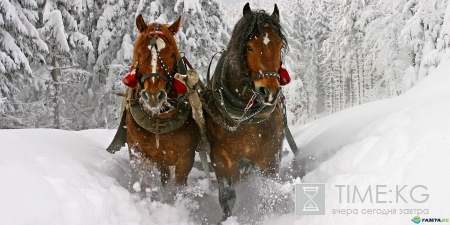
(263,45)
(155,56)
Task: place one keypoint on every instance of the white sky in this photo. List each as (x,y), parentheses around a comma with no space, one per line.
(226,3)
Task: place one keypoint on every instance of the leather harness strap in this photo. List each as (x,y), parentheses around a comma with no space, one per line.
(287,131)
(187,62)
(208,76)
(155,75)
(264,75)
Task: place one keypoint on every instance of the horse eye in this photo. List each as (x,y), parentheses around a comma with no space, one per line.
(250,49)
(139,54)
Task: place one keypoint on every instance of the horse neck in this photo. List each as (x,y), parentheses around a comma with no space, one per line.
(234,76)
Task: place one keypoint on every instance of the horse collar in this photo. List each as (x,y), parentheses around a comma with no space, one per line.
(155,125)
(232,107)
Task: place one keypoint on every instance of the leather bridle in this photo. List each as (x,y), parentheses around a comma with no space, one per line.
(168,76)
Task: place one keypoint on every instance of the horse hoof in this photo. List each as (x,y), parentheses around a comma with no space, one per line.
(224,218)
(229,218)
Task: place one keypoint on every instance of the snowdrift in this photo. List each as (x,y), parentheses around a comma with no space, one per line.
(394,142)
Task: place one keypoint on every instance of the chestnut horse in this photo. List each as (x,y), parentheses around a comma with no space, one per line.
(244,119)
(160,131)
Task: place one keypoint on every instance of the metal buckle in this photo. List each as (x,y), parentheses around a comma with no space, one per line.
(251,101)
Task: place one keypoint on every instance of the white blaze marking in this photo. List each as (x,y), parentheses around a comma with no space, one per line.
(266,39)
(161,45)
(154,56)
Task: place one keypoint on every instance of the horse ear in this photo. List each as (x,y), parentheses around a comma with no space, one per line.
(175,25)
(247,9)
(140,23)
(276,13)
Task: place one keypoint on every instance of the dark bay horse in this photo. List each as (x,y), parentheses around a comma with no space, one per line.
(160,131)
(244,119)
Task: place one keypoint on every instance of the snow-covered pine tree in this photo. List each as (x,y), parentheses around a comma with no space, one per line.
(343,50)
(317,31)
(327,81)
(319,22)
(350,37)
(88,18)
(421,33)
(216,35)
(301,94)
(443,42)
(19,45)
(112,31)
(2,104)
(330,61)
(386,57)
(59,29)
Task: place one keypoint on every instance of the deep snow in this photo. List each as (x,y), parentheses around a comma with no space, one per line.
(66,177)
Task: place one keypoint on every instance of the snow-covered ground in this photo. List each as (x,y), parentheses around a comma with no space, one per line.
(66,177)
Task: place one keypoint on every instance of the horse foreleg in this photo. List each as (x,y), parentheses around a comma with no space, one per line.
(164,173)
(227,194)
(141,167)
(183,167)
(270,168)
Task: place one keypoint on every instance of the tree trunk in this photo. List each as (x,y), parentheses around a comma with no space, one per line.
(56,111)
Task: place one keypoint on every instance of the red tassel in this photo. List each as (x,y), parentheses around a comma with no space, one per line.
(284,76)
(130,79)
(179,87)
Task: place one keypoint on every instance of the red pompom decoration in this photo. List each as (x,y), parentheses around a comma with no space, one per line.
(130,79)
(179,87)
(284,76)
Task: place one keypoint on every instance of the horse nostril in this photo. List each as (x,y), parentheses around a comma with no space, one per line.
(263,91)
(161,95)
(145,95)
(277,93)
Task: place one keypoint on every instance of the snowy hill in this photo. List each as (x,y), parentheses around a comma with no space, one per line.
(66,177)
(394,142)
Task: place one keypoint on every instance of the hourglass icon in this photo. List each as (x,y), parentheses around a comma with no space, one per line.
(310,205)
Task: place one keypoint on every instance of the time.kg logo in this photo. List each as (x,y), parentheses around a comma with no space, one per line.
(310,199)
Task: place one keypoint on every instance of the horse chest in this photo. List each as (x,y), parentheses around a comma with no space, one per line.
(249,140)
(172,145)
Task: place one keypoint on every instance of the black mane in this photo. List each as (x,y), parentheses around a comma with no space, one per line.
(248,26)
